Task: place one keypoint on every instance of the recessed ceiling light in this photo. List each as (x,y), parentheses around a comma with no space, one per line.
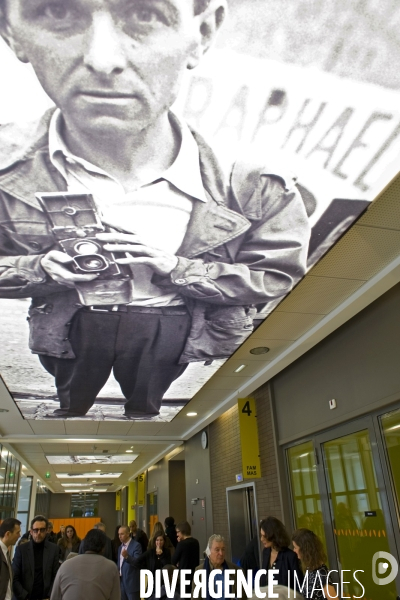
(259,350)
(240,368)
(98,470)
(192,414)
(128,450)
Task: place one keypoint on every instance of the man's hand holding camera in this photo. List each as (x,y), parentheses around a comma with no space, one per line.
(138,253)
(57,264)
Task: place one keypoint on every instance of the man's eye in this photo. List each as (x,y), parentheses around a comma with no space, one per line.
(57,11)
(143,15)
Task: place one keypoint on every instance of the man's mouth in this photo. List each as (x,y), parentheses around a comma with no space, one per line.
(107,95)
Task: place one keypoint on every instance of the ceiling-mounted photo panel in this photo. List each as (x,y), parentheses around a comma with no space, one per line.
(112,459)
(157,205)
(92,476)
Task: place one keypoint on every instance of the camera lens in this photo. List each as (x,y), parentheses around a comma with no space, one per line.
(86,248)
(93,264)
(90,263)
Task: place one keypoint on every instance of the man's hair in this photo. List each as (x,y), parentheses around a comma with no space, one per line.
(184,528)
(169,521)
(39,518)
(275,532)
(8,524)
(94,541)
(99,525)
(170,570)
(311,549)
(199,6)
(215,537)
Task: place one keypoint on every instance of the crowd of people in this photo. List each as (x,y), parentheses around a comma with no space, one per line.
(105,569)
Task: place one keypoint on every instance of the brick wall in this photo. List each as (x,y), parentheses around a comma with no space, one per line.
(226,462)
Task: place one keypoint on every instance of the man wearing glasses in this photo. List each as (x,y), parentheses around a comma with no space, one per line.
(35,564)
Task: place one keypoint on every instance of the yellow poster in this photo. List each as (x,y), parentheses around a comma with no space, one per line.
(118,500)
(249,438)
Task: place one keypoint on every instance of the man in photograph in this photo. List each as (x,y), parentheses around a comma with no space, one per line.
(201,252)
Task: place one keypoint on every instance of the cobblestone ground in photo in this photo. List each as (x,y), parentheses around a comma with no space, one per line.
(37,409)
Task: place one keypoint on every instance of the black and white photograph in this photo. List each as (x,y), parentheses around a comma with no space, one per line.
(115,459)
(169,172)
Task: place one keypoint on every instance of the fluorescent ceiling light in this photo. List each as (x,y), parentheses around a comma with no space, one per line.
(87,475)
(84,490)
(191,414)
(111,459)
(240,368)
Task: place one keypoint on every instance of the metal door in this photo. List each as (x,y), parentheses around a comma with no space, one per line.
(242,518)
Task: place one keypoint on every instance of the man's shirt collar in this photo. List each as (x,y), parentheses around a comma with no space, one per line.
(184,173)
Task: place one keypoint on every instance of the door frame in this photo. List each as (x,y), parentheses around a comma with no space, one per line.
(371,423)
(252,485)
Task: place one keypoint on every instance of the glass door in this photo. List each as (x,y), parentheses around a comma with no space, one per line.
(361,524)
(339,483)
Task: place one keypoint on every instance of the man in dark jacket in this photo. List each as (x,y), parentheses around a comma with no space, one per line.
(201,255)
(128,553)
(35,564)
(138,535)
(187,551)
(9,533)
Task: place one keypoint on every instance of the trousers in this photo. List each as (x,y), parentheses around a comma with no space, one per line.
(142,351)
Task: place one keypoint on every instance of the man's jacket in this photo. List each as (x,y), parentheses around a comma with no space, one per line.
(24,569)
(129,574)
(246,245)
(4,575)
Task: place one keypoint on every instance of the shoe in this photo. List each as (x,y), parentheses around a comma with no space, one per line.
(63,415)
(140,416)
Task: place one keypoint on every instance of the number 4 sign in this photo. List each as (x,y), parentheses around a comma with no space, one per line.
(249,438)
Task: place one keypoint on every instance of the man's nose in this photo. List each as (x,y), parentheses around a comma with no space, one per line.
(104,50)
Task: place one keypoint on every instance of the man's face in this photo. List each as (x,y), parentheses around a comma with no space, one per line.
(123,535)
(38,531)
(133,527)
(179,536)
(11,537)
(107,63)
(217,553)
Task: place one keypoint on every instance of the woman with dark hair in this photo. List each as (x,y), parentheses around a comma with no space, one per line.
(156,557)
(68,543)
(277,555)
(158,530)
(311,553)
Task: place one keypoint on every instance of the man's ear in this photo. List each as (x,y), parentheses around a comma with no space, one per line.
(8,37)
(209,22)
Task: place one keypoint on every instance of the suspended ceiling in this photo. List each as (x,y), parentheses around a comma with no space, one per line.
(363,265)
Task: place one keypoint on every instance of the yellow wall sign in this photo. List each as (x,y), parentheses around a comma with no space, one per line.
(118,500)
(141,479)
(249,438)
